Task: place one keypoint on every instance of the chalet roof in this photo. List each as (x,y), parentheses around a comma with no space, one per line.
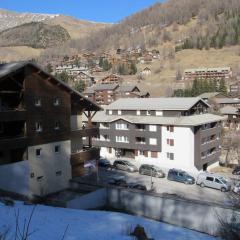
(229,110)
(210,95)
(227,100)
(155,103)
(102,86)
(194,120)
(127,88)
(11,68)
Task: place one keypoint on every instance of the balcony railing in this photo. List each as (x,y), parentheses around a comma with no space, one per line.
(85,132)
(13,142)
(12,114)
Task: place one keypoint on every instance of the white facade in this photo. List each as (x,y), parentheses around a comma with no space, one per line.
(51,170)
(182,150)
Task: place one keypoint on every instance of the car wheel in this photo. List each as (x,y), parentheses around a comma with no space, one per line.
(223,189)
(202,185)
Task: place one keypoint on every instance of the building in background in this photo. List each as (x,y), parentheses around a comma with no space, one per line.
(41,131)
(167,132)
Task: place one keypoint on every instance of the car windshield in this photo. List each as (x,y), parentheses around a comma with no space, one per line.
(129,164)
(223,180)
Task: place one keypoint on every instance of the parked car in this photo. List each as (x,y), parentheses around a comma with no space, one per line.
(118,181)
(236,188)
(102,162)
(147,169)
(212,180)
(236,170)
(180,176)
(125,166)
(138,186)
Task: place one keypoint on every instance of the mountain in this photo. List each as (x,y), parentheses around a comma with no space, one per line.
(35,35)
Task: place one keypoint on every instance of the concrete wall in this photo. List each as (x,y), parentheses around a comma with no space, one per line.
(76,122)
(92,200)
(15,177)
(189,214)
(53,169)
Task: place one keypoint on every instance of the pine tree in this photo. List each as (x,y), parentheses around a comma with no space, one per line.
(80,86)
(222,86)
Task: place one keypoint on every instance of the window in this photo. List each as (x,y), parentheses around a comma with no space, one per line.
(152,128)
(170,156)
(122,126)
(38,152)
(154,154)
(159,113)
(141,153)
(152,141)
(217,181)
(58,173)
(209,179)
(56,102)
(170,128)
(40,178)
(38,102)
(110,112)
(123,139)
(138,112)
(148,113)
(119,112)
(38,127)
(57,149)
(170,142)
(57,125)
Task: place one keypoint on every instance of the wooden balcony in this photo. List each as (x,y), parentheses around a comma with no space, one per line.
(85,132)
(13,142)
(85,155)
(12,115)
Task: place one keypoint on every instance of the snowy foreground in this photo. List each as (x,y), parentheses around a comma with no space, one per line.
(50,223)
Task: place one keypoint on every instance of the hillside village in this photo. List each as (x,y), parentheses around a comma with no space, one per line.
(143,123)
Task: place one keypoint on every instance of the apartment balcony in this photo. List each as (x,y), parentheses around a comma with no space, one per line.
(210,131)
(78,158)
(85,132)
(13,142)
(7,115)
(210,144)
(211,157)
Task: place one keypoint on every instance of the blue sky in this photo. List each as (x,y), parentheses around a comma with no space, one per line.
(94,10)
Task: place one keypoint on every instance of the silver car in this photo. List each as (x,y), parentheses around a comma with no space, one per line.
(125,166)
(213,181)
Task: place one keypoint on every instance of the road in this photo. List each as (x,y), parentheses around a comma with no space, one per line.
(165,186)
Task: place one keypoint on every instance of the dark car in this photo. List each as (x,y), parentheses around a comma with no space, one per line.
(151,170)
(236,170)
(118,181)
(125,166)
(137,186)
(180,176)
(104,163)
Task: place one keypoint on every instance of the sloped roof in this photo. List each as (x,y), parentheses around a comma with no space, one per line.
(99,87)
(230,110)
(194,120)
(154,103)
(209,94)
(11,68)
(227,101)
(127,88)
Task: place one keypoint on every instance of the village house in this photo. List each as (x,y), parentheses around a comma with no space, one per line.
(146,71)
(166,132)
(111,79)
(232,114)
(41,131)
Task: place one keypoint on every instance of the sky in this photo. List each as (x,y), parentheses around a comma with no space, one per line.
(110,11)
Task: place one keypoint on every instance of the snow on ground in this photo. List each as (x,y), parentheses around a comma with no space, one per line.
(50,223)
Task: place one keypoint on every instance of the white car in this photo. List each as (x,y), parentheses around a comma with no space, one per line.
(236,188)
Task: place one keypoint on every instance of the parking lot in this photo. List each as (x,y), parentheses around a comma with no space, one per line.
(164,186)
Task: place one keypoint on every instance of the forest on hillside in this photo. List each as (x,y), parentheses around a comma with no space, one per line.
(217,25)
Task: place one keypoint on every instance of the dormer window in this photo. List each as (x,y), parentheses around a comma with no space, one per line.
(56,102)
(38,127)
(148,113)
(38,102)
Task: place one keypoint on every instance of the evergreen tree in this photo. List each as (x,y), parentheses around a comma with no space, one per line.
(133,69)
(222,86)
(49,68)
(80,86)
(63,76)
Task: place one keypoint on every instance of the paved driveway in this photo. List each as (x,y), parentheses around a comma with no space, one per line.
(162,185)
